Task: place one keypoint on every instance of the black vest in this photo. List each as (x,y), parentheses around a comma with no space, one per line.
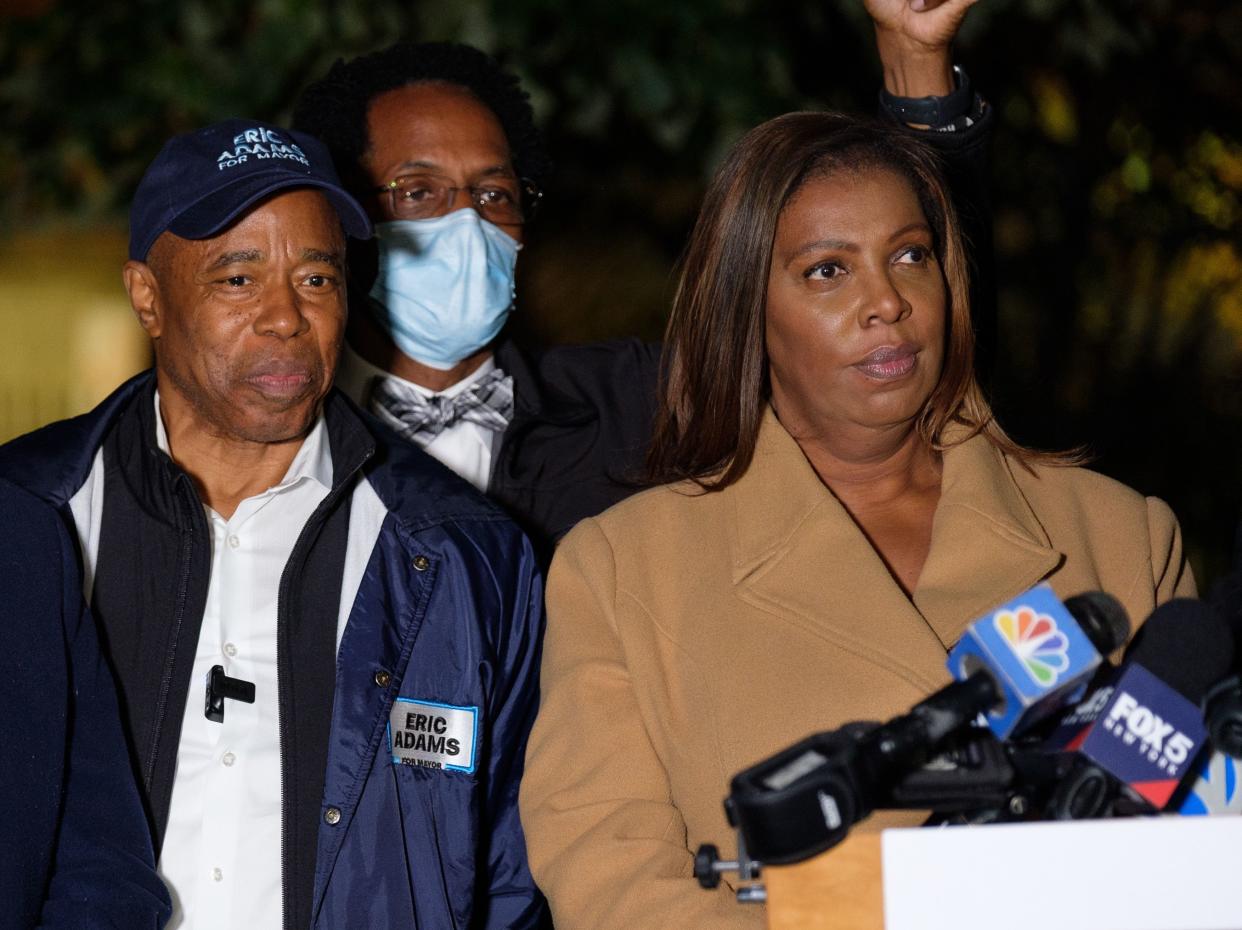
(150,591)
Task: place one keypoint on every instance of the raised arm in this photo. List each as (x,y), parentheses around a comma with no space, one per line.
(923,90)
(913,38)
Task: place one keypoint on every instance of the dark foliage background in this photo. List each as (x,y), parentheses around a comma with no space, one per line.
(1117,171)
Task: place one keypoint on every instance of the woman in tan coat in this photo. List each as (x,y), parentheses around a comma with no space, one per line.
(837,506)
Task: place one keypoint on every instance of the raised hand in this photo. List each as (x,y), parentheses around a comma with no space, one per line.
(913,39)
(922,25)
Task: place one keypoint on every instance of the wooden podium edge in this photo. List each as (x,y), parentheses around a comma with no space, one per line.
(841,889)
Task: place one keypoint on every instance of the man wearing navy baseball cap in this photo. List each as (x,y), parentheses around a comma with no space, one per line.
(326,644)
(202,181)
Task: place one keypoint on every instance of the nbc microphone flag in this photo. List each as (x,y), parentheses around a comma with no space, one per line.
(1034,649)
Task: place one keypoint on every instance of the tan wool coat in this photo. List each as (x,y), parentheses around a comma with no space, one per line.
(692,635)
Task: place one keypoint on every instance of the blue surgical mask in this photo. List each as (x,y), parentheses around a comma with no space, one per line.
(445,285)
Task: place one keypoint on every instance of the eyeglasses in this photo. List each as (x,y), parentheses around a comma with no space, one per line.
(503,201)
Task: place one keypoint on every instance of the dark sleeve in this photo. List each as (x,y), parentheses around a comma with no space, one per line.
(965,155)
(103,873)
(579,439)
(513,899)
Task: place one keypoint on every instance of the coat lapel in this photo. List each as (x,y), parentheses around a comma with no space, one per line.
(798,554)
(987,545)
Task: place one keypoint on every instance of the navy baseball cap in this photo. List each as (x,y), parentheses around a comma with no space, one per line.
(202,181)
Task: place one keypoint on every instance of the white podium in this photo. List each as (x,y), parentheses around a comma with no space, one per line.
(1165,873)
(1159,873)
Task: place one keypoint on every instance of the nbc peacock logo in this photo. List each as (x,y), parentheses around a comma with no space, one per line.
(1035,640)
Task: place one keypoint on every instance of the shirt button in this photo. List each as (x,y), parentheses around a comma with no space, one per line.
(382,678)
(332,816)
(421,563)
(230,650)
(228,758)
(217,875)
(234,542)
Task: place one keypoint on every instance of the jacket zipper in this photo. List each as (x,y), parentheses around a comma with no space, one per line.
(161,701)
(293,571)
(281,699)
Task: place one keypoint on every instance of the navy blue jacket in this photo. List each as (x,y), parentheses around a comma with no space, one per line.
(449,613)
(74,850)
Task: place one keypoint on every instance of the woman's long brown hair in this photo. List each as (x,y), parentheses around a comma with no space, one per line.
(715,383)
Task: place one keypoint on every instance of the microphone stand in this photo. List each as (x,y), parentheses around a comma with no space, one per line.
(804,800)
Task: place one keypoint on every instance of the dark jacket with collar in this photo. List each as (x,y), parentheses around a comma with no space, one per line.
(73,851)
(582,419)
(449,611)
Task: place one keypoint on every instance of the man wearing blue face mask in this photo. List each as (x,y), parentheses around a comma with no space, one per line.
(440,145)
(445,284)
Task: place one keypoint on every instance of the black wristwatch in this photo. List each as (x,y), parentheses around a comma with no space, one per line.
(937,112)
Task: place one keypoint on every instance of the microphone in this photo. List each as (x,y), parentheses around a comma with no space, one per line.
(1102,618)
(1224,705)
(806,798)
(1215,781)
(1145,728)
(221,686)
(1040,653)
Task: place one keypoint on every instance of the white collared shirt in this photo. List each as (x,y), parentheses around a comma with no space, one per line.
(225,812)
(221,855)
(465,447)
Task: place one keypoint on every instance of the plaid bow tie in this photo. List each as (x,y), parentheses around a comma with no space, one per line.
(488,402)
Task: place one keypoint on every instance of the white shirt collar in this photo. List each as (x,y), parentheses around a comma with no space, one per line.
(354,376)
(313,460)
